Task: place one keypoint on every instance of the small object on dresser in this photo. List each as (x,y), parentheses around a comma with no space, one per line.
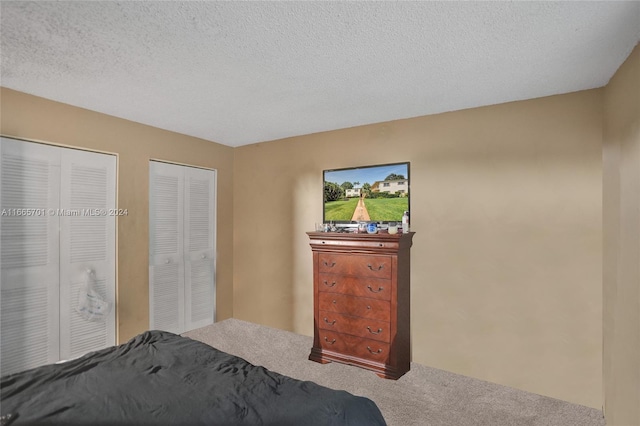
(405,222)
(372,228)
(393,228)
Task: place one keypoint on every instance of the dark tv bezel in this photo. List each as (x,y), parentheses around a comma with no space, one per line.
(352,223)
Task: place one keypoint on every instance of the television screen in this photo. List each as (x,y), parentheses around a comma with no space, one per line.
(369,193)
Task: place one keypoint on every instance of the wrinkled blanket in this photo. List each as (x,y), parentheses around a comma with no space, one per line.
(159,378)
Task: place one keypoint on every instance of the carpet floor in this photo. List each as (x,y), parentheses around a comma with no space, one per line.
(423,397)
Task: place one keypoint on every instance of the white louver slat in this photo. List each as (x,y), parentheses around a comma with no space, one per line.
(86,336)
(166,293)
(201,297)
(88,196)
(25,335)
(199,212)
(167,195)
(25,186)
(29,262)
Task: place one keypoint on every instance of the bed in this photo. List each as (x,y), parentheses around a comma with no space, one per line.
(160,378)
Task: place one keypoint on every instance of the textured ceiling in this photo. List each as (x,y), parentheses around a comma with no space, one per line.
(244,72)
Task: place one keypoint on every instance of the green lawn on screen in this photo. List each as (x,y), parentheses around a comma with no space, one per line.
(379,209)
(340,210)
(386,208)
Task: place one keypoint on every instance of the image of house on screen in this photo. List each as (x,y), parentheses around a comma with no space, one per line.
(352,192)
(391,186)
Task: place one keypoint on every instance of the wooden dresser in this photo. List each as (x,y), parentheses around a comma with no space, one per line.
(361,298)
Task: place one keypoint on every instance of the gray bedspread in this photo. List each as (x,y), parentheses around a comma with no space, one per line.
(159,378)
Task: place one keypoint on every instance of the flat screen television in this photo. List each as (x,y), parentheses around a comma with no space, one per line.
(378,193)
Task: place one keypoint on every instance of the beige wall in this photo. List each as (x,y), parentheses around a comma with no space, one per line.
(506,202)
(30,117)
(621,228)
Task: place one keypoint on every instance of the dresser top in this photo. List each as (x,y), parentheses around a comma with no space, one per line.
(356,241)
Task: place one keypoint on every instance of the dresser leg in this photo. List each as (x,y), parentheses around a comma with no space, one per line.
(318,358)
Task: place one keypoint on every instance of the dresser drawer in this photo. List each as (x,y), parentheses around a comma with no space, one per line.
(357,326)
(358,265)
(363,287)
(355,306)
(355,346)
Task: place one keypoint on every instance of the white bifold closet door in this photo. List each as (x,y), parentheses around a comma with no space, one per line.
(49,239)
(181,247)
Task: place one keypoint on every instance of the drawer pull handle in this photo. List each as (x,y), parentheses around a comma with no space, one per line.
(330,265)
(329,342)
(368,307)
(335,301)
(374,332)
(374,291)
(372,351)
(331,322)
(379,267)
(329,285)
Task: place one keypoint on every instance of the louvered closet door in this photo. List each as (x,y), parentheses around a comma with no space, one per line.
(199,247)
(166,247)
(181,247)
(29,285)
(87,249)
